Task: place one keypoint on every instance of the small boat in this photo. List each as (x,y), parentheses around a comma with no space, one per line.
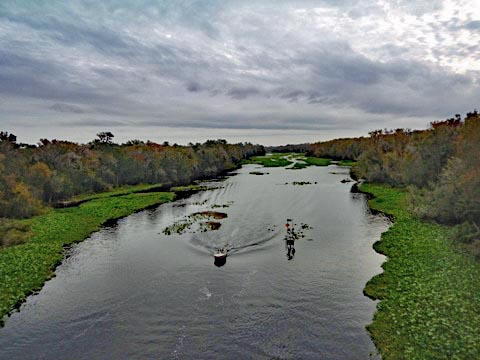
(220,254)
(220,257)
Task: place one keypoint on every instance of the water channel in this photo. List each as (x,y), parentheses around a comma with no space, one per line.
(132,292)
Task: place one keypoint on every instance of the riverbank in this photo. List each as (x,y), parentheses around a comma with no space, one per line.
(429,291)
(25,268)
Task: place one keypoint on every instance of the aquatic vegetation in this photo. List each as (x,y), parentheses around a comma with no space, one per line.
(189,188)
(347,163)
(210,214)
(316,161)
(14,232)
(429,291)
(301,183)
(188,222)
(24,268)
(299,165)
(178,227)
(272,160)
(216,206)
(209,226)
(299,161)
(118,191)
(258,173)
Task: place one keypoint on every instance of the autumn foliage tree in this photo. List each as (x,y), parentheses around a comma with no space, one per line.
(54,170)
(439,165)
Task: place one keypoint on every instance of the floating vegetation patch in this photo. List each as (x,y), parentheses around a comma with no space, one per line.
(347,163)
(318,161)
(210,214)
(209,226)
(299,165)
(188,223)
(216,206)
(178,227)
(190,189)
(301,183)
(258,173)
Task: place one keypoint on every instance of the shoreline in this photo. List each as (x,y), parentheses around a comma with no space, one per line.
(428,292)
(34,262)
(25,268)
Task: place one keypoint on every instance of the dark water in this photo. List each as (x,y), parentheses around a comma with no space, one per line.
(130,292)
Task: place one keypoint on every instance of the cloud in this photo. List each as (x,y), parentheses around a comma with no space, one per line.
(67,108)
(314,65)
(473,25)
(240,93)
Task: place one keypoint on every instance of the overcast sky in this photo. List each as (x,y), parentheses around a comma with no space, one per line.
(265,71)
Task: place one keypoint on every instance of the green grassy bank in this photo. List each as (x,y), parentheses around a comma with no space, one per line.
(25,268)
(429,291)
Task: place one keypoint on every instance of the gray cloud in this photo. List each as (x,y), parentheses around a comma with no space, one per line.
(67,108)
(311,65)
(473,25)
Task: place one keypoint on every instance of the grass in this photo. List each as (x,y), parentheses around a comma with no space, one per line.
(318,161)
(25,268)
(286,159)
(271,160)
(429,291)
(123,190)
(347,163)
(300,165)
(188,188)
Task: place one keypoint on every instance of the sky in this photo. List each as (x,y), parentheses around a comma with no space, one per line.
(264,71)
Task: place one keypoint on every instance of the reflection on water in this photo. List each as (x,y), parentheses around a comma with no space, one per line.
(130,291)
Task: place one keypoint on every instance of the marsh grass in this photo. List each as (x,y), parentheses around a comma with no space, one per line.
(429,291)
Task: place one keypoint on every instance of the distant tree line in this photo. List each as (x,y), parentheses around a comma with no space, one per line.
(440,166)
(288,148)
(35,176)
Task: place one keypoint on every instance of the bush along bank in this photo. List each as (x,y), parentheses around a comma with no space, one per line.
(429,291)
(25,268)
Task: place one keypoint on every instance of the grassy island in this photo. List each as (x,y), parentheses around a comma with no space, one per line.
(429,291)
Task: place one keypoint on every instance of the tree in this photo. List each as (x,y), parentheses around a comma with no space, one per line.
(5,136)
(104,137)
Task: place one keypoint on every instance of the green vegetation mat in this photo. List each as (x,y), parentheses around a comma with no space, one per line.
(318,161)
(347,163)
(25,268)
(286,159)
(123,190)
(271,160)
(429,291)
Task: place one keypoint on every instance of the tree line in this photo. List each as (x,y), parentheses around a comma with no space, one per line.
(440,166)
(35,176)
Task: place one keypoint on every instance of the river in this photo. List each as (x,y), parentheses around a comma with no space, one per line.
(131,292)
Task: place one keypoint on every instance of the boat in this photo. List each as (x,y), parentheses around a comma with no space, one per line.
(220,257)
(220,254)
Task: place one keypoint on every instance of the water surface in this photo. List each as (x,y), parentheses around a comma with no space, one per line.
(131,292)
